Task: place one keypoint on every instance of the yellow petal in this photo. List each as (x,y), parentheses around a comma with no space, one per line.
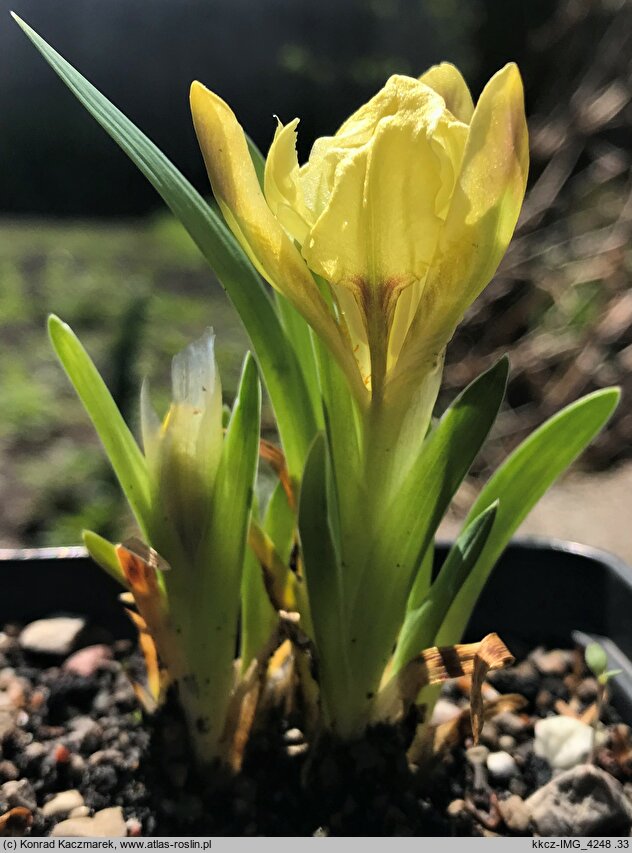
(446,80)
(375,232)
(262,237)
(281,183)
(479,224)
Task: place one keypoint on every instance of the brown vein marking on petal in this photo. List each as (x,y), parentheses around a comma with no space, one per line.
(16,820)
(381,298)
(275,457)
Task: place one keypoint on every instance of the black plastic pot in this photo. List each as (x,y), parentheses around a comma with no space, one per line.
(542,592)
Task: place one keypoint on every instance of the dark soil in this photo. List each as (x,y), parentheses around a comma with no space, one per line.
(85,732)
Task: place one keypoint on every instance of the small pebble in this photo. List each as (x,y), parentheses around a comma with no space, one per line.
(456,807)
(544,701)
(56,636)
(506,742)
(61,754)
(85,734)
(555,663)
(583,801)
(80,811)
(7,643)
(107,756)
(107,823)
(18,793)
(62,804)
(512,724)
(8,771)
(518,787)
(501,766)
(443,712)
(134,827)
(294,736)
(7,724)
(523,679)
(515,814)
(564,741)
(77,764)
(489,735)
(588,690)
(34,752)
(87,661)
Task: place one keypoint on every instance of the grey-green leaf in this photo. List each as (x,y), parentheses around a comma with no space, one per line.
(120,446)
(103,553)
(281,370)
(519,484)
(421,625)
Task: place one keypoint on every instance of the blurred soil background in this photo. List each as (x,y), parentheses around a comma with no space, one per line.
(83,235)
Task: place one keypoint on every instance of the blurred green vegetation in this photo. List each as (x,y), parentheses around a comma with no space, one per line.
(135,292)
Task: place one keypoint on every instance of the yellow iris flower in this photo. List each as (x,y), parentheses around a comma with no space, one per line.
(405,212)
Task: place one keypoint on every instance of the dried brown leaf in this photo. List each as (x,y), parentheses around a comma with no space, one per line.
(147,554)
(433,740)
(491,654)
(244,704)
(274,456)
(280,581)
(152,665)
(438,665)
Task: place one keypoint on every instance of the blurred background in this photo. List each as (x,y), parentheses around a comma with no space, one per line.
(84,235)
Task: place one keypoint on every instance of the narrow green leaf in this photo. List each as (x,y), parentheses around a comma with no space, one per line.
(422,623)
(104,554)
(422,580)
(120,446)
(212,607)
(281,371)
(280,522)
(323,575)
(300,336)
(258,618)
(234,487)
(344,431)
(519,484)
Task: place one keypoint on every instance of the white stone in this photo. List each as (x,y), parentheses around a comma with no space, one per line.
(62,803)
(564,741)
(108,823)
(501,765)
(80,811)
(443,712)
(55,636)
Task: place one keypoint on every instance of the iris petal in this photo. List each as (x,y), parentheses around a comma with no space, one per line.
(479,225)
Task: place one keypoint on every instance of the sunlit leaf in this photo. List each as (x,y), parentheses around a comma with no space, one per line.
(120,446)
